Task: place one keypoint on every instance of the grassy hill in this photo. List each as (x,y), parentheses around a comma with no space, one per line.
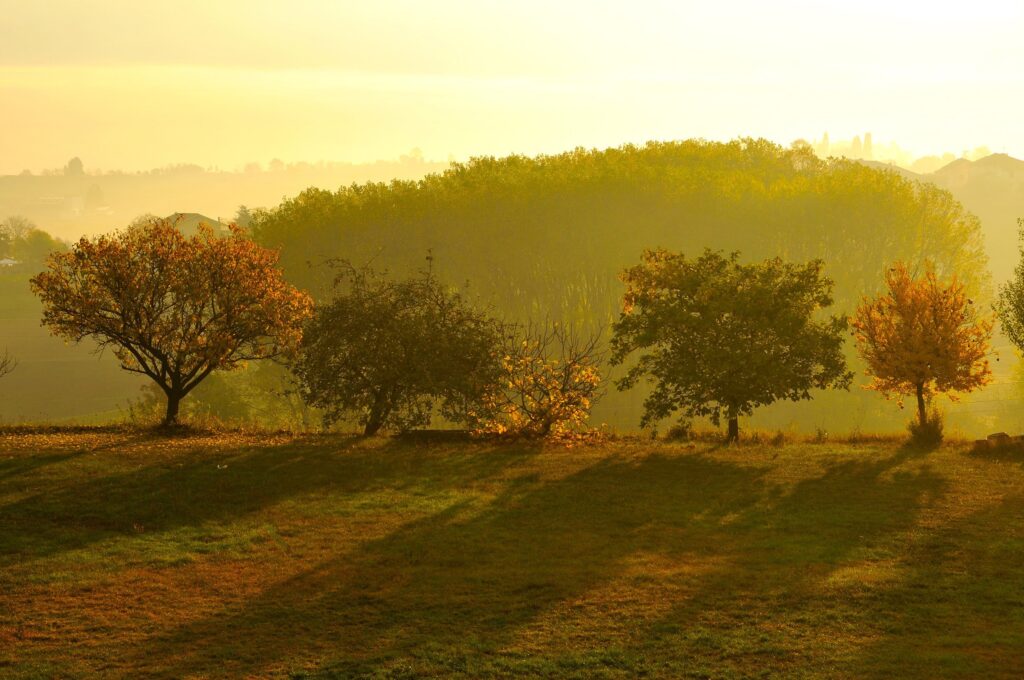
(228,555)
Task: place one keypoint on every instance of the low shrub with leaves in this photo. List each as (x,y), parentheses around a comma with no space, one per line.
(927,432)
(550,380)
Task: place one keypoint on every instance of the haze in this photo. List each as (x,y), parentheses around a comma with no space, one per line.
(132,86)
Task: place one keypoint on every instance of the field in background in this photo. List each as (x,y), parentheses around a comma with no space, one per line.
(55,381)
(127,555)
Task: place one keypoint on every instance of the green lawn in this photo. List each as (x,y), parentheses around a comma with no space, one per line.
(127,555)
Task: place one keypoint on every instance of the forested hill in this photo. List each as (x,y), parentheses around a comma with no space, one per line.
(993,189)
(546,237)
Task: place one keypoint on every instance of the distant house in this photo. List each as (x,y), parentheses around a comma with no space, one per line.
(8,262)
(188,223)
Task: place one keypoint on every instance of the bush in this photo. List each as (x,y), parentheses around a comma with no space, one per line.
(927,433)
(682,431)
(550,380)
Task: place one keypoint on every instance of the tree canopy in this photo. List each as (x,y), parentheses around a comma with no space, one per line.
(385,352)
(720,338)
(922,337)
(172,308)
(1010,305)
(545,237)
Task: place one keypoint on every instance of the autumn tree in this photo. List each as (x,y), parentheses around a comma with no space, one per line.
(173,308)
(719,338)
(385,352)
(550,379)
(922,337)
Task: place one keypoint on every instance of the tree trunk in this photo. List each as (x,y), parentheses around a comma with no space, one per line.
(173,402)
(378,412)
(922,411)
(734,429)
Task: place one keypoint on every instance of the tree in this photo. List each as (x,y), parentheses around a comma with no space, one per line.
(173,308)
(550,379)
(74,168)
(35,246)
(243,217)
(17,227)
(1010,306)
(384,351)
(923,337)
(718,337)
(544,236)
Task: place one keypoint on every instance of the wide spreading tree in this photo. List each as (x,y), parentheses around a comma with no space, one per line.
(385,352)
(923,337)
(173,308)
(719,337)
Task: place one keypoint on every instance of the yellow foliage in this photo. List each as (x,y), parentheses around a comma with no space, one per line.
(923,337)
(543,395)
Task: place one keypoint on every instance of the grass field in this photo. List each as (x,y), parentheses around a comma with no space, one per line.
(226,555)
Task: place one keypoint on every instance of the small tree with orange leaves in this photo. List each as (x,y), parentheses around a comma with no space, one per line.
(923,337)
(550,378)
(173,308)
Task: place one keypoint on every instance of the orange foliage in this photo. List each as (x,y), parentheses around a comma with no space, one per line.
(923,337)
(170,307)
(550,380)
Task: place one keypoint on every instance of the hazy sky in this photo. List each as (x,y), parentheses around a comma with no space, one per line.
(137,84)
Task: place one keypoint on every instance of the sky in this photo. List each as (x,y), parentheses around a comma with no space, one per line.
(137,85)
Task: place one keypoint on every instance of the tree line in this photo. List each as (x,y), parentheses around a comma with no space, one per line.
(546,236)
(544,239)
(718,337)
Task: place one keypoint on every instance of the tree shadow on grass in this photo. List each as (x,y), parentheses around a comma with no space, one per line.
(221,485)
(22,465)
(466,576)
(468,581)
(960,611)
(768,612)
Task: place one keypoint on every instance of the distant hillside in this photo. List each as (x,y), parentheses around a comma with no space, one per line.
(993,189)
(69,206)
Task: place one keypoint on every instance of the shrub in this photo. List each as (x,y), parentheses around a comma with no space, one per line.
(682,431)
(550,380)
(927,433)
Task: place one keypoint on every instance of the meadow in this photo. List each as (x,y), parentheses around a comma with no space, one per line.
(126,553)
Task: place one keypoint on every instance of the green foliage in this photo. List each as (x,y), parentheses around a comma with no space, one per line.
(719,337)
(1010,304)
(21,240)
(546,236)
(550,231)
(387,351)
(927,431)
(681,431)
